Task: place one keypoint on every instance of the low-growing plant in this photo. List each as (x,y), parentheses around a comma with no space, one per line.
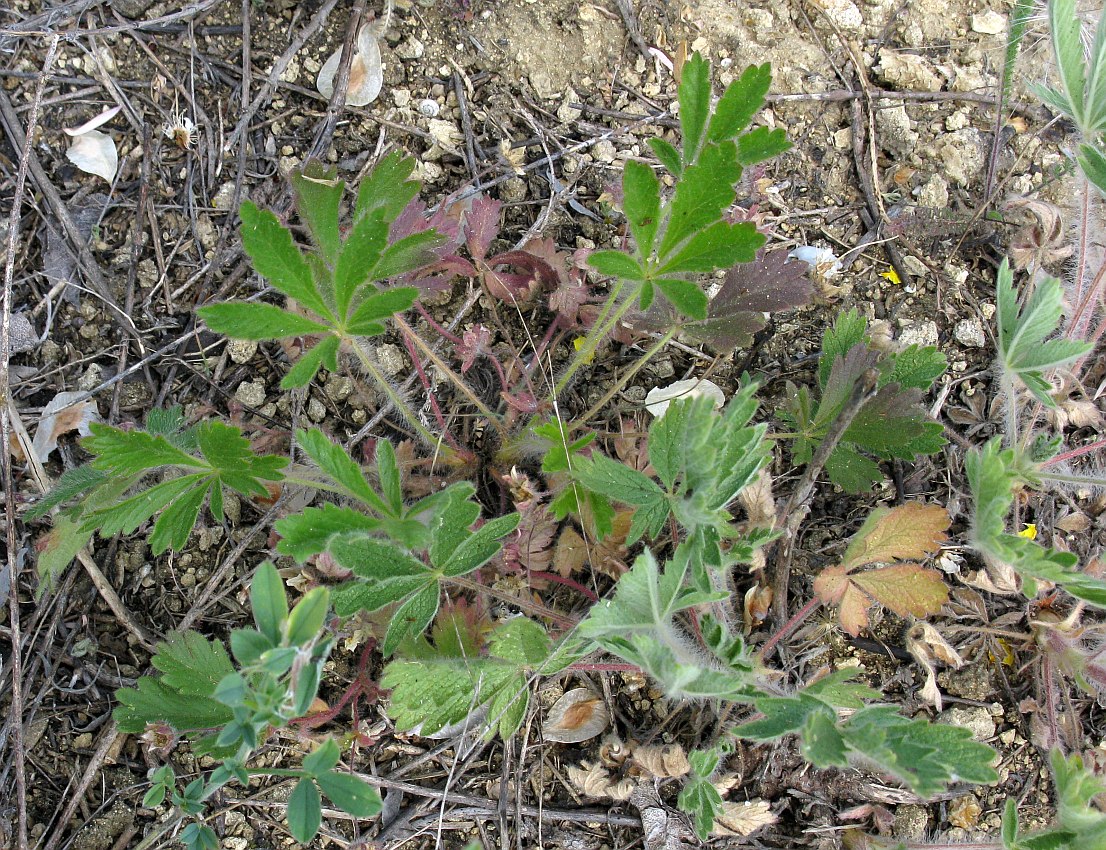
(672,615)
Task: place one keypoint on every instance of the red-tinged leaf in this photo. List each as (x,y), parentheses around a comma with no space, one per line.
(909,531)
(853,611)
(473,344)
(831,584)
(907,589)
(482,226)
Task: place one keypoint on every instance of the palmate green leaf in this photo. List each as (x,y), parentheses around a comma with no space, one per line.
(700,799)
(849,330)
(342,469)
(479,548)
(1023,349)
(303,372)
(128,514)
(704,191)
(761,144)
(310,531)
(782,716)
(686,296)
(616,264)
(276,258)
(228,452)
(822,743)
(694,97)
(620,483)
(668,155)
(318,197)
(191,667)
(742,99)
(412,617)
(452,521)
(365,243)
(925,756)
(252,320)
(407,254)
(718,246)
(1066,29)
(915,367)
(387,189)
(383,304)
(642,204)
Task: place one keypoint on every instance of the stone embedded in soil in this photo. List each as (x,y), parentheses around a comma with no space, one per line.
(908,71)
(250,393)
(934,193)
(241,351)
(974,718)
(910,822)
(969,333)
(918,333)
(961,154)
(391,360)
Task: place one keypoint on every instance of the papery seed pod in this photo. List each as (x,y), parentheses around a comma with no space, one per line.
(575,717)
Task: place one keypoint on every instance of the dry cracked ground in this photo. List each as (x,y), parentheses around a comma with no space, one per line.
(899,153)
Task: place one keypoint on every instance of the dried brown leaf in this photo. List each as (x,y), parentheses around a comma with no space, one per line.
(743,818)
(662,761)
(592,780)
(906,532)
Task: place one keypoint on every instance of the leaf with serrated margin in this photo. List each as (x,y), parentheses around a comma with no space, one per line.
(412,617)
(761,144)
(391,482)
(915,367)
(717,246)
(621,483)
(1095,98)
(173,527)
(822,744)
(906,589)
(771,282)
(1092,163)
(452,521)
(366,242)
(847,332)
(309,363)
(888,423)
(666,440)
(407,254)
(310,531)
(127,515)
(705,190)
(685,296)
(742,100)
(701,800)
(78,481)
(616,264)
(694,97)
(906,532)
(781,716)
(479,548)
(372,558)
(387,188)
(668,155)
(133,452)
(1067,31)
(276,258)
(256,321)
(152,702)
(318,196)
(355,596)
(192,664)
(380,305)
(336,463)
(56,549)
(642,204)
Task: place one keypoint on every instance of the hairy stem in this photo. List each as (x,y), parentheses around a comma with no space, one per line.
(608,319)
(627,376)
(398,402)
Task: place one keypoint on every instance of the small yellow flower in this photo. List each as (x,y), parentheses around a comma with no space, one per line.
(578,343)
(892,276)
(1029,532)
